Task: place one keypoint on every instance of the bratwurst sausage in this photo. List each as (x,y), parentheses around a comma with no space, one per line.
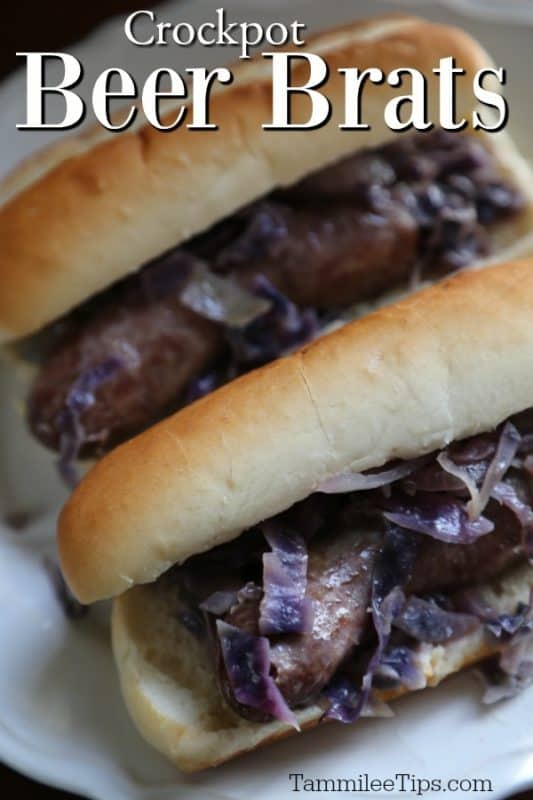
(320,261)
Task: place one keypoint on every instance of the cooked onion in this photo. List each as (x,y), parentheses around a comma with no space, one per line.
(221,299)
(359,481)
(506,450)
(473,507)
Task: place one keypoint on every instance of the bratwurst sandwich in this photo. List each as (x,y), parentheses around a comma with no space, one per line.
(143,269)
(344,525)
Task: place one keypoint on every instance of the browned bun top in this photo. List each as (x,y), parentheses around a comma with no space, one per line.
(92,209)
(449,362)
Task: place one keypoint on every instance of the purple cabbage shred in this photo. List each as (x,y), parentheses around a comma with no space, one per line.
(508,673)
(392,571)
(425,621)
(344,700)
(506,495)
(269,335)
(284,607)
(438,516)
(247,665)
(398,667)
(274,333)
(79,399)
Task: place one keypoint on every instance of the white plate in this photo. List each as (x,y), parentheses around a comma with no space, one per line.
(61,717)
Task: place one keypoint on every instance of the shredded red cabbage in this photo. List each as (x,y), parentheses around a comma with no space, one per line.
(440,484)
(383,614)
(501,625)
(506,625)
(398,667)
(344,701)
(438,516)
(280,330)
(506,494)
(517,658)
(392,570)
(425,621)
(79,399)
(272,334)
(512,672)
(394,567)
(284,607)
(247,664)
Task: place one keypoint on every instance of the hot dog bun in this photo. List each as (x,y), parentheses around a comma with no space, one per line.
(94,208)
(451,361)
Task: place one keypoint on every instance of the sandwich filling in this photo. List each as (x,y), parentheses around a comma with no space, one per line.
(263,281)
(337,595)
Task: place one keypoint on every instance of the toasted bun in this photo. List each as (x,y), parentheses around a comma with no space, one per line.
(448,362)
(90,210)
(169,685)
